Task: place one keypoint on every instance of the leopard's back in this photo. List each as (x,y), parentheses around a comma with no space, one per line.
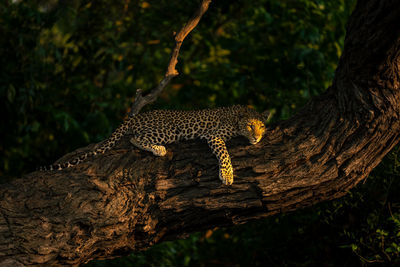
(168,126)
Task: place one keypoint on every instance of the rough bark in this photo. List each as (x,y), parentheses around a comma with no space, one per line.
(128,200)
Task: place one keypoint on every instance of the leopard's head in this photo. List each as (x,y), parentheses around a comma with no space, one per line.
(252,126)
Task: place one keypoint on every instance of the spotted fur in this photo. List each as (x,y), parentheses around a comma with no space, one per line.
(151,130)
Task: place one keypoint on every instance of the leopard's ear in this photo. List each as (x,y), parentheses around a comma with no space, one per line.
(266,114)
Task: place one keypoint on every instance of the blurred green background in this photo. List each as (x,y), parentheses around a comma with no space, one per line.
(70,69)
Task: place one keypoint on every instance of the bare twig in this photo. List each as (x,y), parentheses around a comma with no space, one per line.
(140,100)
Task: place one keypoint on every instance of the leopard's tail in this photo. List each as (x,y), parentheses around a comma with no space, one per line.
(107,145)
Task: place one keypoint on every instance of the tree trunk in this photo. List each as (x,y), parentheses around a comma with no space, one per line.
(127,200)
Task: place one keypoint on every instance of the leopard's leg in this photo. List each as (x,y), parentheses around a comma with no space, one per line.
(157,150)
(218,147)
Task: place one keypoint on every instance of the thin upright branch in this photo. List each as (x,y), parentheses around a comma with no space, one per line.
(140,100)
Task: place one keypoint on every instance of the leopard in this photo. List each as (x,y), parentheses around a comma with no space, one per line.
(151,130)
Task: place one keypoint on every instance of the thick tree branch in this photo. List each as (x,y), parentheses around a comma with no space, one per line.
(128,200)
(141,101)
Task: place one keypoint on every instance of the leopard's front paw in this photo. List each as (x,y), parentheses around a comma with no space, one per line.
(226,175)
